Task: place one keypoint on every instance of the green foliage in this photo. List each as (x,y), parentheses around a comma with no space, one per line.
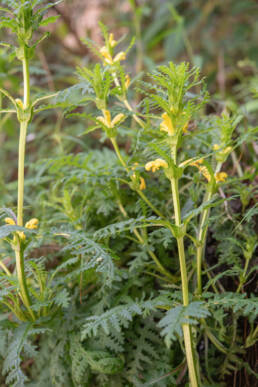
(102,270)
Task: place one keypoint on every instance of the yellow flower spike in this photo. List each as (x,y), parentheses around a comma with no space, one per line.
(105,53)
(127,81)
(167,125)
(112,42)
(155,165)
(10,221)
(142,184)
(220,177)
(32,223)
(117,119)
(120,56)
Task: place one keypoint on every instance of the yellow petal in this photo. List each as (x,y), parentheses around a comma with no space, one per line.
(105,53)
(120,56)
(167,125)
(127,81)
(185,127)
(142,184)
(216,147)
(186,162)
(10,221)
(155,165)
(21,234)
(101,119)
(117,119)
(112,42)
(107,117)
(204,171)
(32,223)
(221,176)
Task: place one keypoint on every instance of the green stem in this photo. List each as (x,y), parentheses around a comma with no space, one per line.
(192,367)
(118,153)
(22,144)
(24,294)
(243,276)
(202,239)
(4,267)
(237,164)
(203,233)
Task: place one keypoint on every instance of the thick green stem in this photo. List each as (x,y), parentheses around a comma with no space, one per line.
(24,294)
(189,350)
(22,144)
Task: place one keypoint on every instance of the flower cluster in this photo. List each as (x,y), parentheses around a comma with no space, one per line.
(156,165)
(107,52)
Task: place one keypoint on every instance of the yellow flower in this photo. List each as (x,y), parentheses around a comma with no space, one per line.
(224,151)
(227,150)
(112,42)
(108,57)
(220,176)
(202,168)
(155,165)
(167,125)
(142,184)
(185,127)
(10,221)
(106,119)
(32,224)
(21,234)
(120,56)
(105,52)
(19,103)
(185,163)
(127,81)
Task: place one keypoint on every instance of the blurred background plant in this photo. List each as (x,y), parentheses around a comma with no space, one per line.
(67,173)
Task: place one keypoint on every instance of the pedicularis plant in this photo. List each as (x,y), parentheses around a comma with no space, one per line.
(131,232)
